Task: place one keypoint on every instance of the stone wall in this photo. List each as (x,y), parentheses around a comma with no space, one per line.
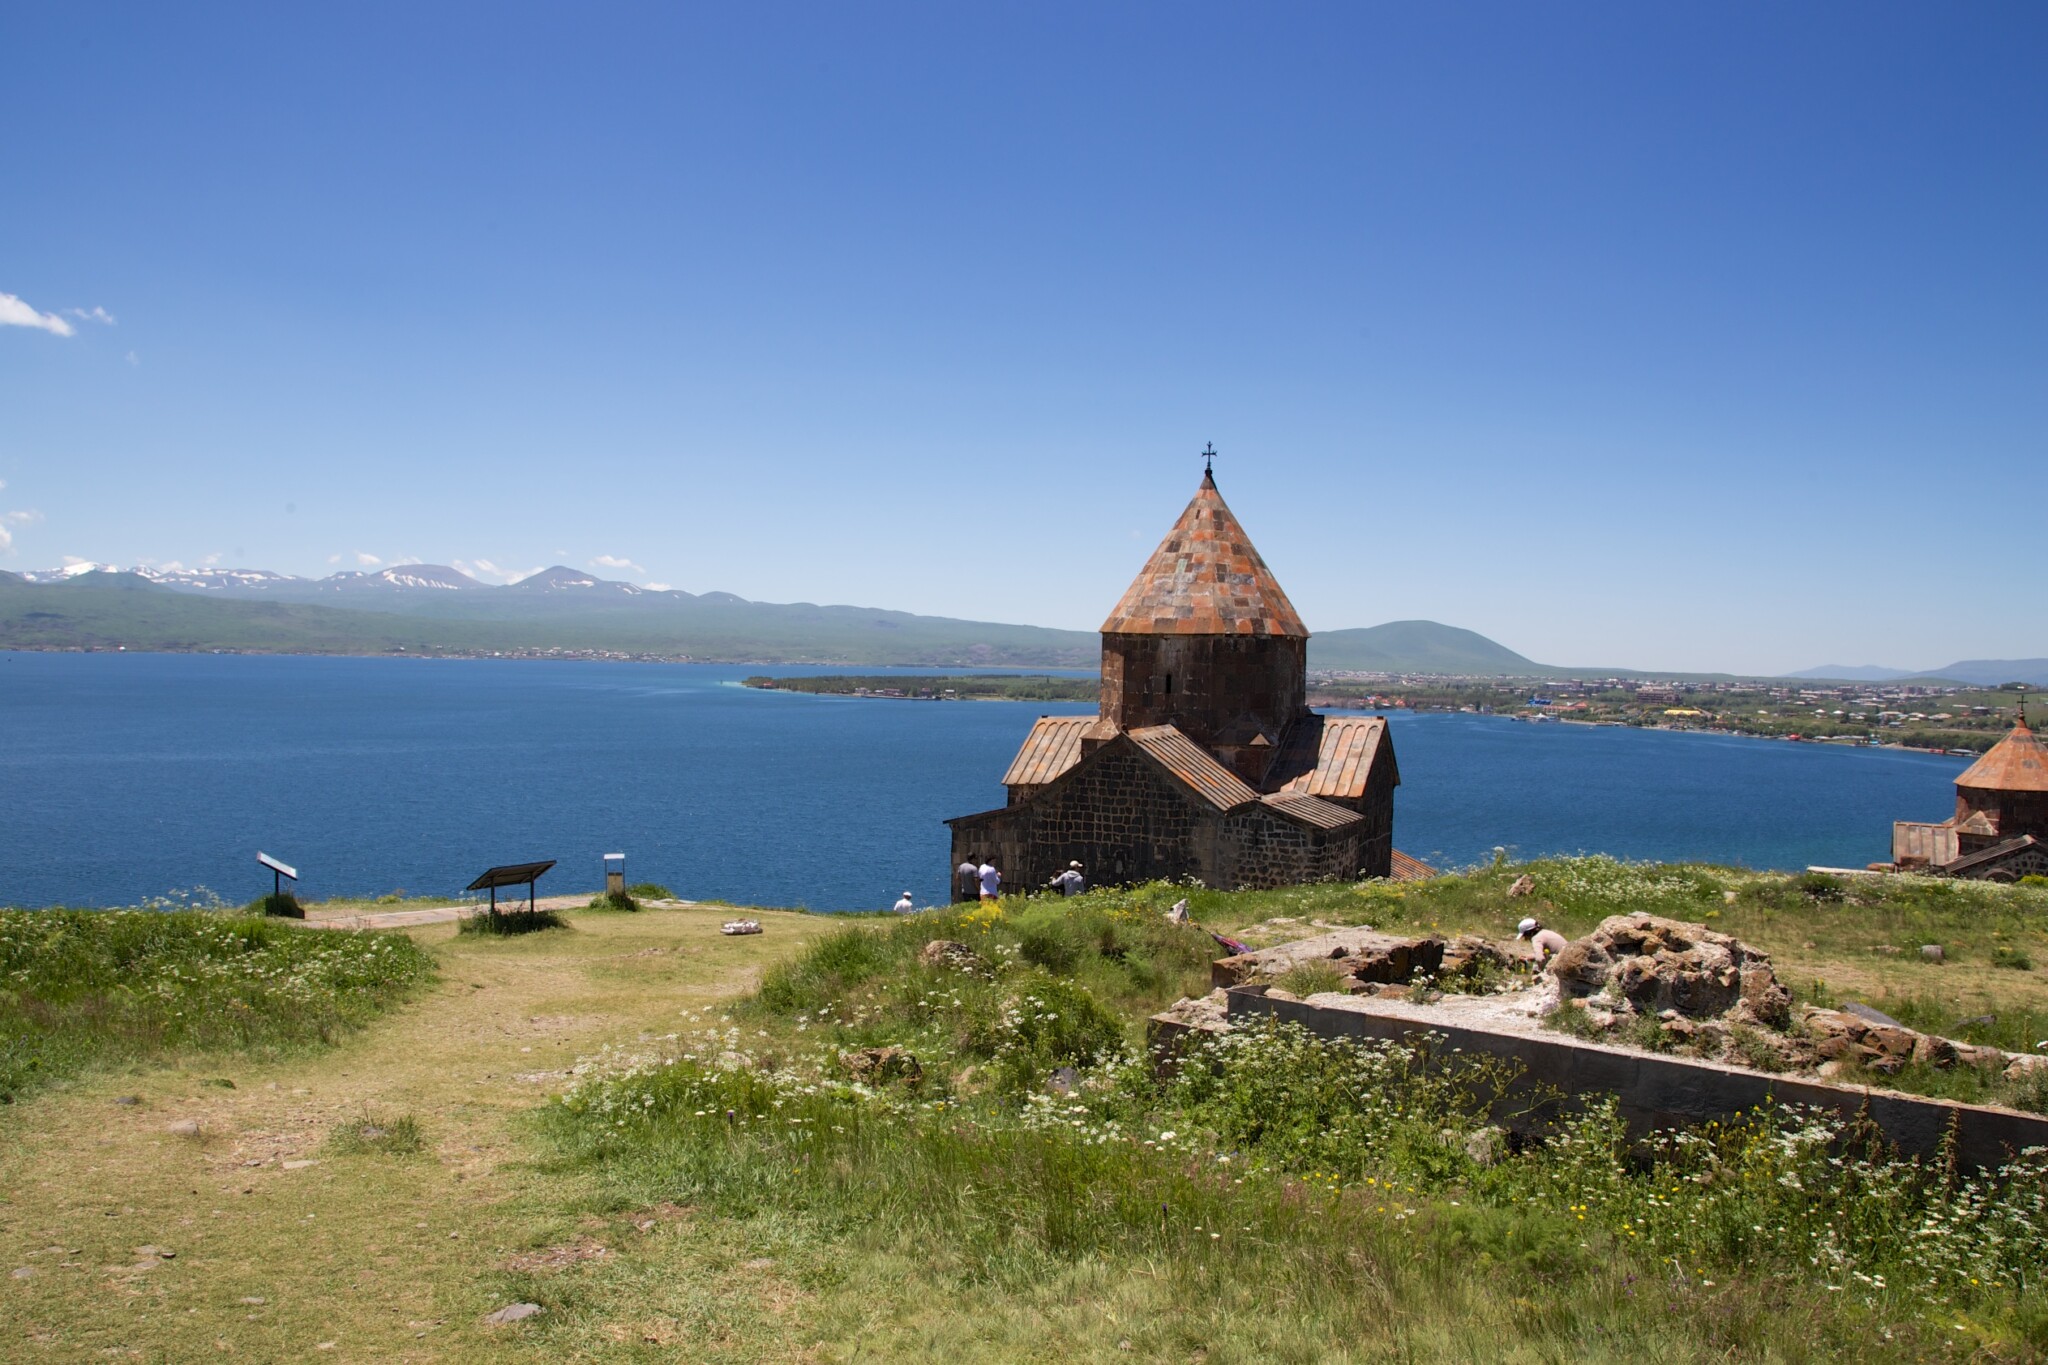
(1115,812)
(1128,821)
(1214,688)
(1261,849)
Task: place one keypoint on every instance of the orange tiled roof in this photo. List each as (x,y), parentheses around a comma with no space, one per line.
(1407,869)
(2016,763)
(1205,579)
(1310,810)
(1052,747)
(1328,755)
(1194,765)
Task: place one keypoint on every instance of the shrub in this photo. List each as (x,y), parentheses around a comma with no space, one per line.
(2015,958)
(650,891)
(1311,978)
(829,968)
(509,923)
(614,900)
(282,904)
(1819,886)
(2034,879)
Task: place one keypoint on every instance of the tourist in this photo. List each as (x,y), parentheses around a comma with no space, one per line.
(1549,943)
(991,882)
(905,905)
(967,880)
(1070,882)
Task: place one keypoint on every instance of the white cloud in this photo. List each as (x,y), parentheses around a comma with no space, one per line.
(15,313)
(134,359)
(617,562)
(367,561)
(8,519)
(334,559)
(72,561)
(660,587)
(94,314)
(208,561)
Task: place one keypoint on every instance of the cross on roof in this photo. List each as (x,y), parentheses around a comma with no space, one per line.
(1209,458)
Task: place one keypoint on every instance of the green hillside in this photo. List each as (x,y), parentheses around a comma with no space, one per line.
(106,611)
(1417,647)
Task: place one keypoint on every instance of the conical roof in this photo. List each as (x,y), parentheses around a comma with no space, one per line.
(1205,579)
(2016,763)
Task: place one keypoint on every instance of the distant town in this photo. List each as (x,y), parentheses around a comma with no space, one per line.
(1963,720)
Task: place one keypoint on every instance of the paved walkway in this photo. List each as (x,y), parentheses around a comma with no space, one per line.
(448,914)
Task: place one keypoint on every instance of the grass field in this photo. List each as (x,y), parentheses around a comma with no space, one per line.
(1364,1212)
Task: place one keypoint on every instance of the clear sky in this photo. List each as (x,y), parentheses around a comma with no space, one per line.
(1688,336)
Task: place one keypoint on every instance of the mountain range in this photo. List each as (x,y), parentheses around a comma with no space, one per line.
(432,608)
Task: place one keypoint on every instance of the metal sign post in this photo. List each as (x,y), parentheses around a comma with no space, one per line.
(278,871)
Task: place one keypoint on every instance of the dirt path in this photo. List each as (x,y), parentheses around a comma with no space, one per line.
(271,1246)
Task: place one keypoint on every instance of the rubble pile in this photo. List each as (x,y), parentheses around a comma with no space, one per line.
(1647,965)
(1366,956)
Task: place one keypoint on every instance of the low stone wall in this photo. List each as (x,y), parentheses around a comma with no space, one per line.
(1656,1091)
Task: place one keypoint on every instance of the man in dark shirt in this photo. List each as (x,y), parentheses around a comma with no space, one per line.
(967,881)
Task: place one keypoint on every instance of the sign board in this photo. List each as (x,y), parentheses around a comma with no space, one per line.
(275,866)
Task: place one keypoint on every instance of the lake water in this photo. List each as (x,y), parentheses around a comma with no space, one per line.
(127,776)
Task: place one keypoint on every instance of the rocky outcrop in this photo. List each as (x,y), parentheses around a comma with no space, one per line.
(1365,955)
(1471,955)
(1645,964)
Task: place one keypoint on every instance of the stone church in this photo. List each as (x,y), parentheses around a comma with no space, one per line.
(2000,829)
(1205,759)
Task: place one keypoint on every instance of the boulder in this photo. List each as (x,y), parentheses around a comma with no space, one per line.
(1524,885)
(1362,953)
(1469,955)
(878,1065)
(1655,964)
(945,953)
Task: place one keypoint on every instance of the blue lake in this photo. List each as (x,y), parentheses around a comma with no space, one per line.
(127,776)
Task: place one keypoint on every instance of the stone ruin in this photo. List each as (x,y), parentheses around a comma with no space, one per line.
(1647,965)
(1704,993)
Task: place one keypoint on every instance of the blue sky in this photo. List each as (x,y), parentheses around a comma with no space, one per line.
(1668,336)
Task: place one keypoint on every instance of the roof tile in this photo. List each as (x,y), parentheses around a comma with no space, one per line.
(1206,578)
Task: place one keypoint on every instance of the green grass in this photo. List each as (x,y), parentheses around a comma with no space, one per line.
(1283,1197)
(87,988)
(377,1136)
(650,891)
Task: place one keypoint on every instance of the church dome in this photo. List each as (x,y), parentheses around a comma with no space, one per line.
(1206,578)
(2016,763)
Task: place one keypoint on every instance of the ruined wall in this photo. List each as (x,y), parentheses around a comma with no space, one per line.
(1212,687)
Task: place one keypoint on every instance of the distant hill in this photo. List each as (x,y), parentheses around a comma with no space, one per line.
(1418,647)
(1853,673)
(1978,672)
(102,610)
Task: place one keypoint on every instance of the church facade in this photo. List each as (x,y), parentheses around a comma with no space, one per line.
(1204,759)
(2000,829)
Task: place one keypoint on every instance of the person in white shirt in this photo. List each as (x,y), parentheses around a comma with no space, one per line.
(991,882)
(1548,942)
(1070,882)
(906,905)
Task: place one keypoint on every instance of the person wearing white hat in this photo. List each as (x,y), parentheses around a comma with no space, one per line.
(906,905)
(1071,882)
(1548,942)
